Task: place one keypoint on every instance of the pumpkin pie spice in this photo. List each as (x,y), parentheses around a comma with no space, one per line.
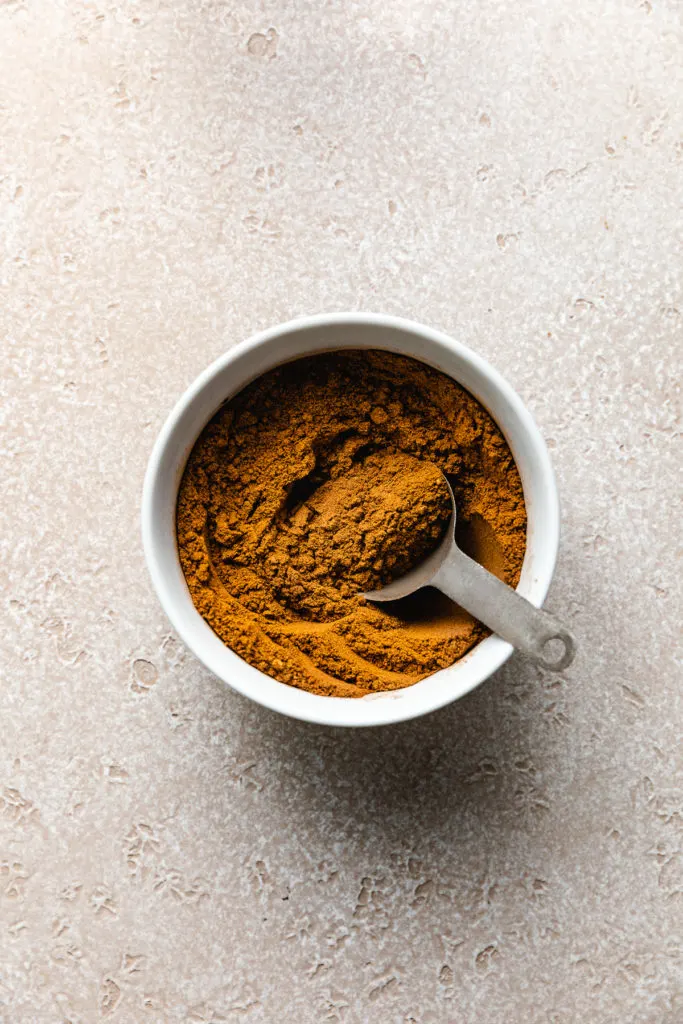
(322,480)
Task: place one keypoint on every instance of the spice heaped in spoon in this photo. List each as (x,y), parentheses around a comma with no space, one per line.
(535,633)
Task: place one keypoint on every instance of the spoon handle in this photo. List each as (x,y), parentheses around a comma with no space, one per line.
(504,611)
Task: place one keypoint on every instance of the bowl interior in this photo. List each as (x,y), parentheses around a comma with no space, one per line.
(231,373)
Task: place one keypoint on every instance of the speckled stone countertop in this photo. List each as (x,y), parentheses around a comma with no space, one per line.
(174,175)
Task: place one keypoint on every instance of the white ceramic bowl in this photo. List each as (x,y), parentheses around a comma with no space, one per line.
(228,375)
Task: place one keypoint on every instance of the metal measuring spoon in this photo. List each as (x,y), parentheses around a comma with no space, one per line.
(533,632)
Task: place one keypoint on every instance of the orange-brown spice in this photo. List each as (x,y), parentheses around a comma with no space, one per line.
(321,480)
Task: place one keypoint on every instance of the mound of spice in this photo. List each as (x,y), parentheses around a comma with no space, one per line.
(322,480)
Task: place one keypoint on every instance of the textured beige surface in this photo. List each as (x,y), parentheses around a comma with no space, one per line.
(175,174)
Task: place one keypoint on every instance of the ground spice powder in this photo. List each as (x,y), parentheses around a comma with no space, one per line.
(321,480)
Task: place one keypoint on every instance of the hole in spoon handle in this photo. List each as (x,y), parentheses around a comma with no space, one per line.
(556,651)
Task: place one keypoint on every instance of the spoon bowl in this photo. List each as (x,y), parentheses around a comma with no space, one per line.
(423,574)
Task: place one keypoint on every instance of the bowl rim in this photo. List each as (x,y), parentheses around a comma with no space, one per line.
(374,709)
